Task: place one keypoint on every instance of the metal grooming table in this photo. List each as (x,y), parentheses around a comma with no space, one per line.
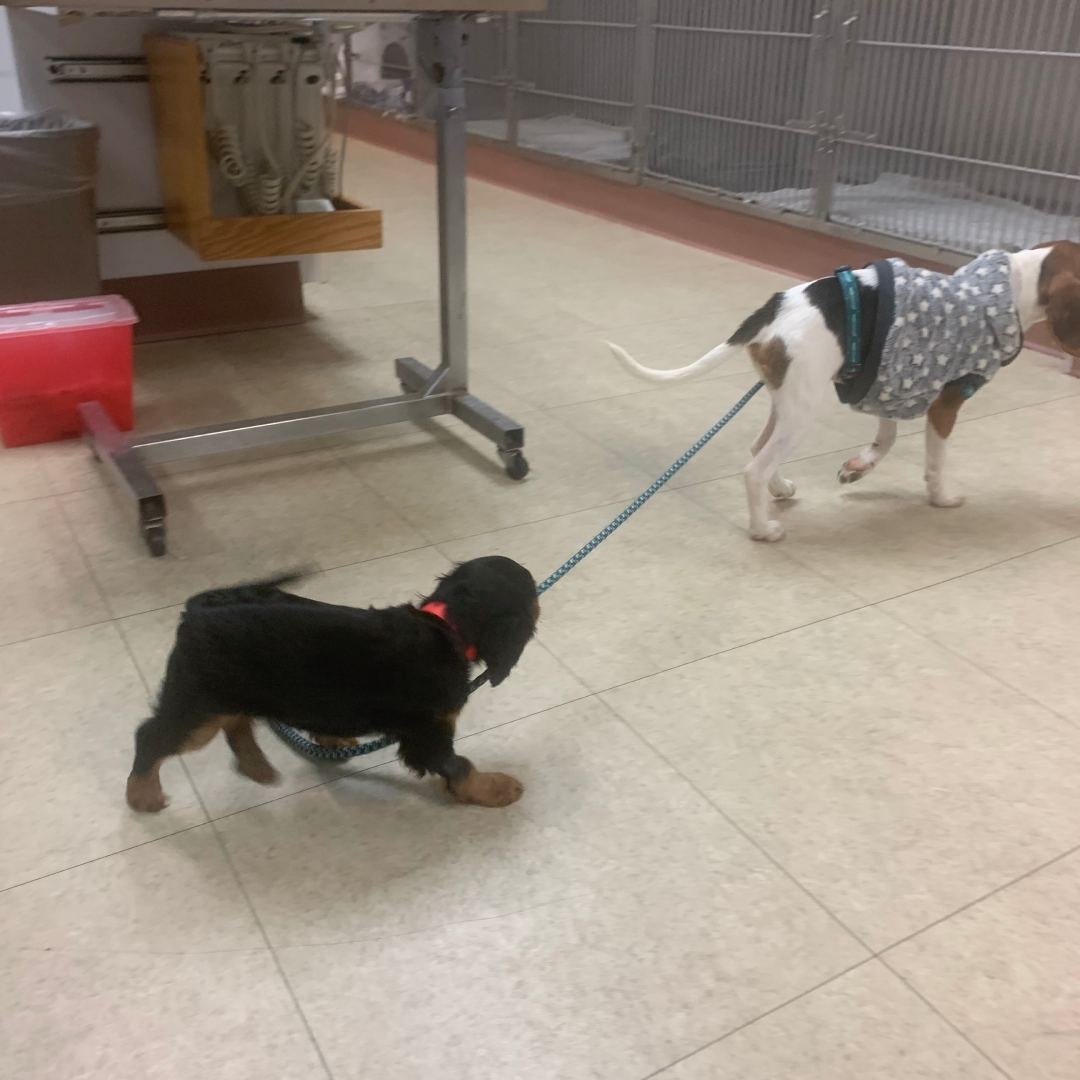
(426,391)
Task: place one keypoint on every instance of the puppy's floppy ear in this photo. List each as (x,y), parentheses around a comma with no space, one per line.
(502,642)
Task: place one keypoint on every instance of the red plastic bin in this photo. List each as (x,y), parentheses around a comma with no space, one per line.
(58,354)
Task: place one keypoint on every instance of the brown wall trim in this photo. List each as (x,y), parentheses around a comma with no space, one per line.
(774,245)
(218,301)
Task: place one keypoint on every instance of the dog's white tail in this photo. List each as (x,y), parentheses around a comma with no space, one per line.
(703,363)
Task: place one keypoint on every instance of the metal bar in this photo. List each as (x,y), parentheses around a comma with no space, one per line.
(285,427)
(115,452)
(729,31)
(525,89)
(129,221)
(834,28)
(442,47)
(513,64)
(644,75)
(578,22)
(964,160)
(96,69)
(729,119)
(505,433)
(972,49)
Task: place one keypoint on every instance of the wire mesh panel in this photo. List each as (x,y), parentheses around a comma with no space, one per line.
(729,78)
(574,86)
(971,106)
(486,77)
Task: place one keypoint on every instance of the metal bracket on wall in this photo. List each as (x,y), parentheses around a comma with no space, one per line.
(96,69)
(147,219)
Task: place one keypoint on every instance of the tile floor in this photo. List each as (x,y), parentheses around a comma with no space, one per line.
(800,812)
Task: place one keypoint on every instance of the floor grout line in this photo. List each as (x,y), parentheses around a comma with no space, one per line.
(944,1019)
(738,828)
(102,857)
(880,953)
(757,1019)
(947,647)
(242,888)
(873,954)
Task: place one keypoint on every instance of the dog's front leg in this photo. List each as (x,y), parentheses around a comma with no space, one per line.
(940,421)
(432,751)
(866,459)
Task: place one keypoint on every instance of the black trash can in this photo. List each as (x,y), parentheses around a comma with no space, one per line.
(48,227)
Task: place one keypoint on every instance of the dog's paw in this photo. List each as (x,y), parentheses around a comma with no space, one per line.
(779,488)
(945,500)
(772,532)
(489,789)
(852,470)
(261,771)
(144,794)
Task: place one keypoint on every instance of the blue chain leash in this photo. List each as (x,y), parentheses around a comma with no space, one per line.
(342,753)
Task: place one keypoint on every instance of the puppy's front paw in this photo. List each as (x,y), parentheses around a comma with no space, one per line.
(144,794)
(488,789)
(946,500)
(772,532)
(780,488)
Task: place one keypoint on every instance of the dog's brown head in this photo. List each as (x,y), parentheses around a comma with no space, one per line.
(492,603)
(1059,293)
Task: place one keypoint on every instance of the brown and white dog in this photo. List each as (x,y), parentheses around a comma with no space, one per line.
(796,341)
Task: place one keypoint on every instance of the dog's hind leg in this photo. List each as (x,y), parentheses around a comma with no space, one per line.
(250,760)
(790,426)
(166,733)
(940,421)
(866,459)
(779,488)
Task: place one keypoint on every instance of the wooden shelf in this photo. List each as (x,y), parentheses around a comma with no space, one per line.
(174,65)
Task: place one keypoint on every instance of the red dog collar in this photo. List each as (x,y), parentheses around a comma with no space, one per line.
(438,609)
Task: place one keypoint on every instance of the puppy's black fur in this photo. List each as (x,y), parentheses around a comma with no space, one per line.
(258,651)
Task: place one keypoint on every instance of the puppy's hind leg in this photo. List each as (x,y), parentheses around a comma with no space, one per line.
(250,760)
(866,459)
(166,733)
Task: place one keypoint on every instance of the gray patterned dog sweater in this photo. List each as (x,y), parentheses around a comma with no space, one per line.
(934,331)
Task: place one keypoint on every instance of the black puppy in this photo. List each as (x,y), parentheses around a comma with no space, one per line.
(256,651)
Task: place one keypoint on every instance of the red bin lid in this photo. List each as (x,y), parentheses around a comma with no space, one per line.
(87,313)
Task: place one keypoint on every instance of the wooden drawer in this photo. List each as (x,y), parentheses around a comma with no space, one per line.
(184,165)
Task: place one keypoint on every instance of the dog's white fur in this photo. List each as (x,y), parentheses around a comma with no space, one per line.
(815,360)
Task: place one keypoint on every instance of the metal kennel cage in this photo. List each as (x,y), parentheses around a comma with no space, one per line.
(948,123)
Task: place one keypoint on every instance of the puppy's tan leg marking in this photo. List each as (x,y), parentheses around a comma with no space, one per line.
(448,722)
(250,760)
(203,734)
(144,793)
(332,742)
(487,789)
(940,421)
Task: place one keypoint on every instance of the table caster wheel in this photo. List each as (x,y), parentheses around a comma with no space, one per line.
(517,468)
(154,535)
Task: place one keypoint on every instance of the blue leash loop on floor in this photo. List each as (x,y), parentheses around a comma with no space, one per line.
(344,753)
